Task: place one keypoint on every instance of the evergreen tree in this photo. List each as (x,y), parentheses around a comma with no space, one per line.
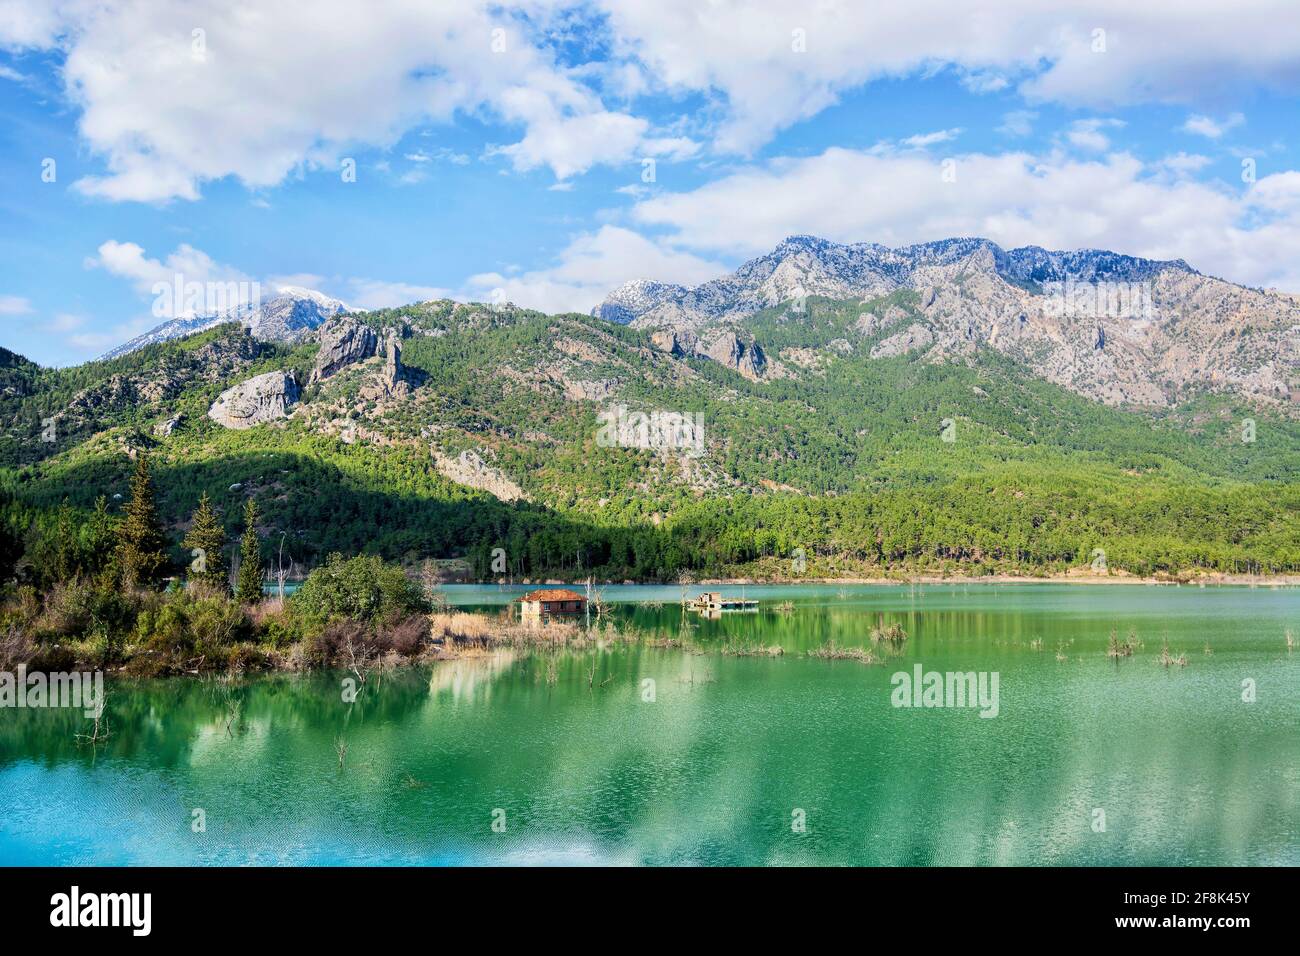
(101,539)
(249,586)
(11,541)
(67,553)
(141,548)
(206,543)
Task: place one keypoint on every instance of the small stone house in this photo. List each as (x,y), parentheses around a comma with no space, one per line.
(539,605)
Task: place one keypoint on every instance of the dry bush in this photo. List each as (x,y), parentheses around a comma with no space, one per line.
(831,652)
(407,637)
(327,649)
(460,626)
(15,648)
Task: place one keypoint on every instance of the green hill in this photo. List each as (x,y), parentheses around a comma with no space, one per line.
(862,465)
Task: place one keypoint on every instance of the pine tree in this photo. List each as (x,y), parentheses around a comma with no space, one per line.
(142,542)
(67,553)
(206,543)
(101,541)
(249,586)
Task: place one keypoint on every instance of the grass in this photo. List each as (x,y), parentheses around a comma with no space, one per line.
(1166,659)
(892,633)
(1116,648)
(752,650)
(830,651)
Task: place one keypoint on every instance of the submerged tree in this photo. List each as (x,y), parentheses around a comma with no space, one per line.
(142,542)
(206,542)
(248,588)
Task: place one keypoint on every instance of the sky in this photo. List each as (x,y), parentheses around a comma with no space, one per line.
(544,152)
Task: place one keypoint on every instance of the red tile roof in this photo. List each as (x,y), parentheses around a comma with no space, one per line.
(553,594)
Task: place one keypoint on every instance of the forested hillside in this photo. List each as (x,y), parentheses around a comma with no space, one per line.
(862,464)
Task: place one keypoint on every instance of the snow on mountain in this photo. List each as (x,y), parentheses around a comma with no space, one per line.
(1154,333)
(807,265)
(633,299)
(288,316)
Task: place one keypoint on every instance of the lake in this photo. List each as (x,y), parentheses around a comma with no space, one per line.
(637,754)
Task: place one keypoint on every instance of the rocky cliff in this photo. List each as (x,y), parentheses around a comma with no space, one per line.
(262,398)
(1115,328)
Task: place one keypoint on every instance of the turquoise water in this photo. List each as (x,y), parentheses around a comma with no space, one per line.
(571,761)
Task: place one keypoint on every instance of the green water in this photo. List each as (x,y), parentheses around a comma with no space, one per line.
(582,769)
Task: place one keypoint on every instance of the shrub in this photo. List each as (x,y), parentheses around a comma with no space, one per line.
(174,629)
(363,588)
(325,648)
(409,636)
(276,625)
(216,623)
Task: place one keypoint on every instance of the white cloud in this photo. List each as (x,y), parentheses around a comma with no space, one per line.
(294,85)
(589,268)
(272,89)
(984,82)
(128,261)
(922,140)
(1279,193)
(1087,133)
(377,294)
(295,280)
(1018,123)
(1213,129)
(1114,202)
(439,155)
(743,51)
(573,144)
(89,342)
(1181,164)
(15,305)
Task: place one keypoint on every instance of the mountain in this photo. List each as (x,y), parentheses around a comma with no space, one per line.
(285,317)
(634,299)
(1118,329)
(886,430)
(811,266)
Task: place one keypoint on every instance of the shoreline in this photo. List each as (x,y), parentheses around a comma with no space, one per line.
(1216,580)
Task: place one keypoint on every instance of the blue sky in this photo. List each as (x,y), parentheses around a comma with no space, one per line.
(504,146)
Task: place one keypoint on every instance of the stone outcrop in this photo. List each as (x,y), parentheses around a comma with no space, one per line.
(341,344)
(1113,328)
(915,336)
(468,468)
(262,398)
(164,428)
(390,381)
(154,385)
(747,358)
(665,340)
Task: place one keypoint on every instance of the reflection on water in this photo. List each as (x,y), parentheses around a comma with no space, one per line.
(638,754)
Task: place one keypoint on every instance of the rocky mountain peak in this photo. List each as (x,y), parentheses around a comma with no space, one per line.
(633,299)
(1117,328)
(287,316)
